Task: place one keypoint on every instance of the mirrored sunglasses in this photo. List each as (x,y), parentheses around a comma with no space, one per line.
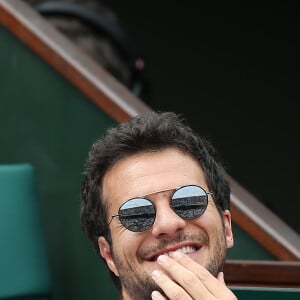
(138,214)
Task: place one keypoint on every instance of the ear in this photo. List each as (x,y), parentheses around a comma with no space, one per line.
(105,252)
(227,228)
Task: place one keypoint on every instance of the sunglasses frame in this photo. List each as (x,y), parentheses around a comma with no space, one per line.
(144,197)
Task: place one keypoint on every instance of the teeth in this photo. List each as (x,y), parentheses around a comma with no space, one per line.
(185,250)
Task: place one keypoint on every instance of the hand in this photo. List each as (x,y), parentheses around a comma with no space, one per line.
(188,280)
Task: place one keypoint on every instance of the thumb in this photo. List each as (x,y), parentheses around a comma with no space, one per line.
(220,277)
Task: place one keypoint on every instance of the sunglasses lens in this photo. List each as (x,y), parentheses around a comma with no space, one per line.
(189,202)
(137,214)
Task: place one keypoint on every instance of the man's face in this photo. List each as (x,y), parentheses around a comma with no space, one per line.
(133,254)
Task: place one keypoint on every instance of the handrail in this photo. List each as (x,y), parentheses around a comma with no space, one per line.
(263,225)
(120,104)
(283,274)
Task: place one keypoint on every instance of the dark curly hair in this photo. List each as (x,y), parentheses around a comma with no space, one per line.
(145,132)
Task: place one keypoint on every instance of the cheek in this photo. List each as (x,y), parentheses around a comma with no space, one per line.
(211,222)
(212,215)
(126,244)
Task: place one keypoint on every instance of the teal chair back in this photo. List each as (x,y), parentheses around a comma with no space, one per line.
(24,269)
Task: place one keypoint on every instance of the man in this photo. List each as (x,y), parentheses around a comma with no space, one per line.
(155,203)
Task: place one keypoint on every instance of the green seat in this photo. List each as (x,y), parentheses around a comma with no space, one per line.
(24,269)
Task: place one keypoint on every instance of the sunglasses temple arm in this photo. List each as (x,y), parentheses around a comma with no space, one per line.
(112,217)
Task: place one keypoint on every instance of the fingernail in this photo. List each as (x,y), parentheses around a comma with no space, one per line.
(156,273)
(162,258)
(176,254)
(155,295)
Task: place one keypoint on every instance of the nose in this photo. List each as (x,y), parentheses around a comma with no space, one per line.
(167,222)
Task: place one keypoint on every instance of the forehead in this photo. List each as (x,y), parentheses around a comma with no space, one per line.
(150,172)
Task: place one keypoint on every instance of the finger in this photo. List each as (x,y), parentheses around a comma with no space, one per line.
(210,282)
(157,296)
(185,278)
(172,290)
(216,286)
(200,271)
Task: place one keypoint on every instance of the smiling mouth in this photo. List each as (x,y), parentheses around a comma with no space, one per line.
(185,250)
